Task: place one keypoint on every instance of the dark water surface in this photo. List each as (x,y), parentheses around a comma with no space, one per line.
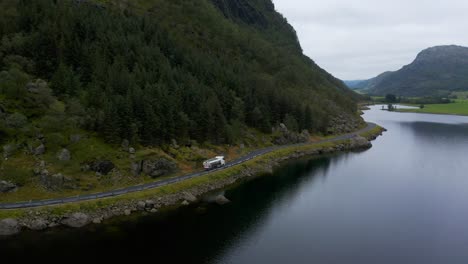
(403,201)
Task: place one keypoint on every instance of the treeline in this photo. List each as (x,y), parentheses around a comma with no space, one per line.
(391,98)
(176,70)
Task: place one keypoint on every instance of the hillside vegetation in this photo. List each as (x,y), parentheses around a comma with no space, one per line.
(78,78)
(436,71)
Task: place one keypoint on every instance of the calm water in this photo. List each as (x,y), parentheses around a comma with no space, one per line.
(403,201)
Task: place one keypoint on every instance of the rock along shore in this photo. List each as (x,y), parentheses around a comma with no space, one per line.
(44,218)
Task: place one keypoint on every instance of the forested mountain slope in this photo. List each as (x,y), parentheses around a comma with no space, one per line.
(154,70)
(95,94)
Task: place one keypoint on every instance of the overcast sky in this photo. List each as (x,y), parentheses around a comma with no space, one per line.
(361,39)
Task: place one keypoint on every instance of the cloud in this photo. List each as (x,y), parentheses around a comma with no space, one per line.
(361,39)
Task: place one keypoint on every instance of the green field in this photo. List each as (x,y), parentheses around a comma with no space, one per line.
(459,107)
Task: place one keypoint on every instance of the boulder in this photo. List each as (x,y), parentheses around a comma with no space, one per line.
(149,203)
(125,144)
(189,197)
(283,127)
(221,200)
(136,168)
(141,205)
(359,142)
(102,166)
(127,212)
(8,150)
(64,155)
(174,144)
(56,182)
(97,220)
(9,227)
(76,220)
(185,203)
(131,150)
(7,187)
(40,150)
(158,167)
(38,224)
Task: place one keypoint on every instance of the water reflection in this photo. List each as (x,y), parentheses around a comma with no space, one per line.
(193,235)
(403,201)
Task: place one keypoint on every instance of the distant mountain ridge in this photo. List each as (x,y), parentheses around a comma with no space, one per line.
(437,71)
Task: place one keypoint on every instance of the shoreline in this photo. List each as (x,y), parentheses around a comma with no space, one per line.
(428,113)
(178,194)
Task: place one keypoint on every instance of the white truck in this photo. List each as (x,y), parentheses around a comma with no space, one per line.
(213,163)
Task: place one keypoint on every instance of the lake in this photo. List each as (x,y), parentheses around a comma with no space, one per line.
(405,200)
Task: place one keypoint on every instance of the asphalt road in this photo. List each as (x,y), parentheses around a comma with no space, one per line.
(156,184)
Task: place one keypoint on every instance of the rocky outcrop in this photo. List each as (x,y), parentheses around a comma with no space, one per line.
(125,144)
(76,220)
(221,200)
(38,224)
(153,168)
(102,166)
(283,136)
(189,197)
(359,142)
(343,124)
(7,187)
(8,150)
(64,155)
(9,227)
(40,150)
(56,182)
(153,203)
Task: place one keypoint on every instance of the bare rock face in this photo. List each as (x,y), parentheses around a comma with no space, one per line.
(56,181)
(157,167)
(7,187)
(76,220)
(9,227)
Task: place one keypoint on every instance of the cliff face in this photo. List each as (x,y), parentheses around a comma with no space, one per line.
(244,10)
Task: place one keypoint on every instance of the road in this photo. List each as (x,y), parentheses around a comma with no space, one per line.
(156,184)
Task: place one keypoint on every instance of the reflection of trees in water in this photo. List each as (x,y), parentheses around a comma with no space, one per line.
(189,235)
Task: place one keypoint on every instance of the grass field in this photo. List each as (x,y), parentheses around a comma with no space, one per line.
(459,107)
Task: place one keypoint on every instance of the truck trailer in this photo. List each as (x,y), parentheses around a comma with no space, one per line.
(214,163)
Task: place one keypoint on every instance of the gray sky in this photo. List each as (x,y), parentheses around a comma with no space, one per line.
(361,39)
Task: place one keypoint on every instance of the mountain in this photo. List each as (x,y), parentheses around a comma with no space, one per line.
(155,70)
(436,71)
(97,87)
(355,84)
